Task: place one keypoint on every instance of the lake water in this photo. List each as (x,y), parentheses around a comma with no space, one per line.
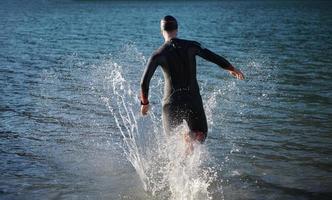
(70,126)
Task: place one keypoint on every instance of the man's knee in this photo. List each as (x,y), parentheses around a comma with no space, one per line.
(198,136)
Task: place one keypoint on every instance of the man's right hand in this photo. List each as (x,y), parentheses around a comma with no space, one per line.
(144,109)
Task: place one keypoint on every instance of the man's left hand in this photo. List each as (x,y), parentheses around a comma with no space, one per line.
(236,73)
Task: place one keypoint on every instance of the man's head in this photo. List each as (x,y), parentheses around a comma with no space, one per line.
(168,27)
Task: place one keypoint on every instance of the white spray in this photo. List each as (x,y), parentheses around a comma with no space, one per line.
(164,169)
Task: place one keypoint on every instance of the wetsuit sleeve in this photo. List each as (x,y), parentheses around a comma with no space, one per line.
(147,75)
(212,57)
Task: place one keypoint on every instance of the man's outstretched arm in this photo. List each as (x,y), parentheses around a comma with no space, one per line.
(220,61)
(145,82)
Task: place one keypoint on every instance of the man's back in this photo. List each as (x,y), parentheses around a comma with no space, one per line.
(177,59)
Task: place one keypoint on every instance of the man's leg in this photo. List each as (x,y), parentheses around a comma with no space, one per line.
(171,117)
(197,125)
(197,122)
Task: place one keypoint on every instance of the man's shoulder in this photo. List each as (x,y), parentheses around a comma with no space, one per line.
(190,43)
(166,46)
(158,52)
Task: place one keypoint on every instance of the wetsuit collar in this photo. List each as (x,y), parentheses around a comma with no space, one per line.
(174,38)
(171,39)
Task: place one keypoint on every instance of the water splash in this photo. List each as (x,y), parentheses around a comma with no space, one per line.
(160,162)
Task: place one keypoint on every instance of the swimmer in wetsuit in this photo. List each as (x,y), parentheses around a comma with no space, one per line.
(182,99)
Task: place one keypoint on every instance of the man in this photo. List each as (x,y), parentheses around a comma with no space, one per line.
(182,99)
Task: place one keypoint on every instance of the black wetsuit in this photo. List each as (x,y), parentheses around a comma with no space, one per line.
(182,99)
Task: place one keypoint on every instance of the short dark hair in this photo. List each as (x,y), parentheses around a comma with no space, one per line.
(168,23)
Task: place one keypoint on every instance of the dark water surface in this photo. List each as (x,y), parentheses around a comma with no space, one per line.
(270,135)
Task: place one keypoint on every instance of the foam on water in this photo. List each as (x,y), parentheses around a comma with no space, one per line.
(159,160)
